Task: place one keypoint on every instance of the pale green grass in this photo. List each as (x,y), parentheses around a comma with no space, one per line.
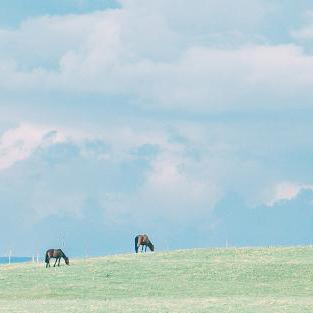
(272,280)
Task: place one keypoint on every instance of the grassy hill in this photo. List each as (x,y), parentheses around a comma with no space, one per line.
(273,280)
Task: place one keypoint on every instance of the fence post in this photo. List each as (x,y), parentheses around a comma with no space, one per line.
(10,253)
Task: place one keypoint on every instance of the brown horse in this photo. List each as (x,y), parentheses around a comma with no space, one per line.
(143,241)
(57,254)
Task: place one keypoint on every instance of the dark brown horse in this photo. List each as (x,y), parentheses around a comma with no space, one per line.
(143,241)
(57,254)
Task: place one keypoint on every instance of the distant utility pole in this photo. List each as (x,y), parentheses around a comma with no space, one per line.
(10,253)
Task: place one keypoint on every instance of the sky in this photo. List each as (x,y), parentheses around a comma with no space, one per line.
(189,121)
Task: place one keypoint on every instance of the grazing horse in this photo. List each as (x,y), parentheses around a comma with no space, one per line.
(143,241)
(57,254)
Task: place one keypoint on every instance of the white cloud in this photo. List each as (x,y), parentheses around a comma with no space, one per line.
(19,143)
(172,189)
(202,15)
(167,187)
(287,191)
(191,170)
(177,68)
(113,53)
(281,77)
(169,192)
(305,32)
(41,41)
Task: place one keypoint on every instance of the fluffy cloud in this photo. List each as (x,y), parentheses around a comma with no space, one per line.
(306,31)
(113,53)
(288,191)
(153,109)
(127,172)
(19,143)
(172,193)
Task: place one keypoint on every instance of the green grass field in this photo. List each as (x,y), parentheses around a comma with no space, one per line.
(273,280)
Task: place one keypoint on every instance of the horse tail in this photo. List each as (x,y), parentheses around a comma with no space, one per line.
(136,244)
(47,257)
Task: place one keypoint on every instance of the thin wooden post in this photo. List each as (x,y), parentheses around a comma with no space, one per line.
(10,253)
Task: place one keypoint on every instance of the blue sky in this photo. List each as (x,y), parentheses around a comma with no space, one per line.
(190,122)
(14,12)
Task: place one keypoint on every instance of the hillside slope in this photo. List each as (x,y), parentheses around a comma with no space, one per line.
(278,280)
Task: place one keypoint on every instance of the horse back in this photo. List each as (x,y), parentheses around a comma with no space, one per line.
(143,239)
(146,239)
(54,253)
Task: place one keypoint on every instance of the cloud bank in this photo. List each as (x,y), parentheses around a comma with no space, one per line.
(116,52)
(150,117)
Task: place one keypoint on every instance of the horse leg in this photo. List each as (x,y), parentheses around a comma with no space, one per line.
(59,261)
(48,263)
(141,248)
(145,248)
(56,259)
